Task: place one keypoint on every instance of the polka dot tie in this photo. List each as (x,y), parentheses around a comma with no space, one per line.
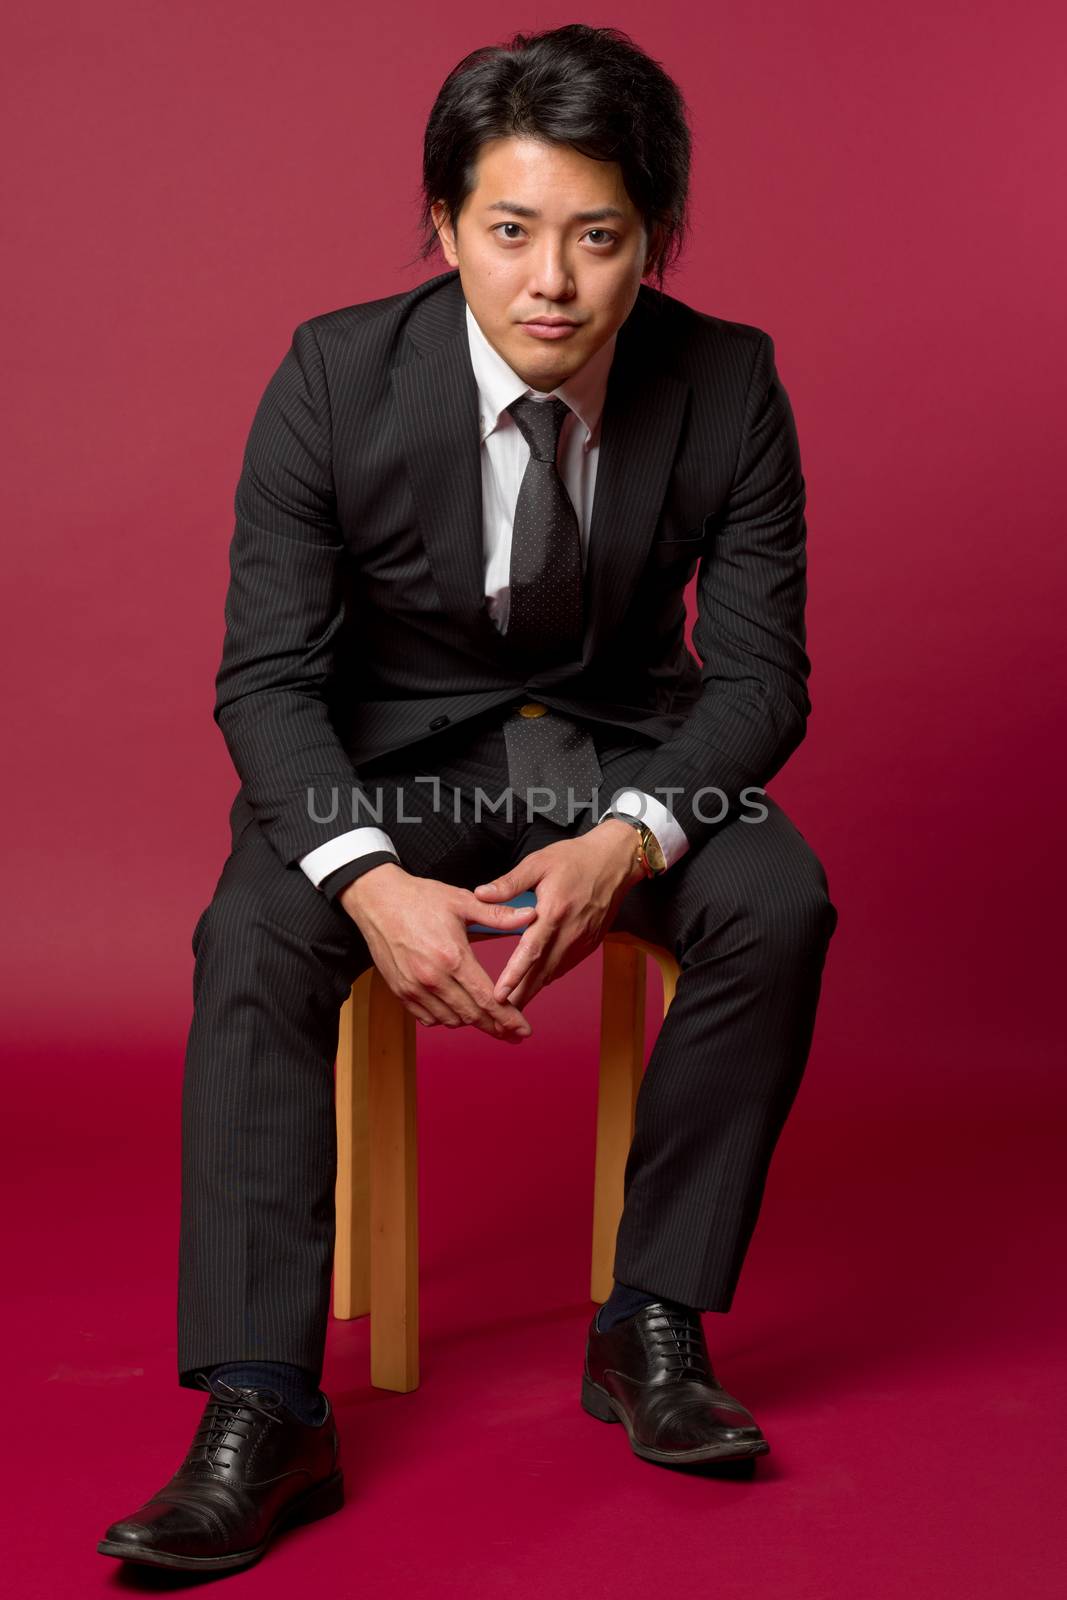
(545,605)
(553,767)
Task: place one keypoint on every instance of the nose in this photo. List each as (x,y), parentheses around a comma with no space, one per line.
(551,277)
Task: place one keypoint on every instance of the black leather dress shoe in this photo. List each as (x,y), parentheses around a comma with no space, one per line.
(252,1469)
(652,1373)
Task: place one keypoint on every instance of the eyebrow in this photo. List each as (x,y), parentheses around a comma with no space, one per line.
(601,214)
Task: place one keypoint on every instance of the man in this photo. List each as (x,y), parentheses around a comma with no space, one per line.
(465,523)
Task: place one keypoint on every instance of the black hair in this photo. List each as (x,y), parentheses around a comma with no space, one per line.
(591,88)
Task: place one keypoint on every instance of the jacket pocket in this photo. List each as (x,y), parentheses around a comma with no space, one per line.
(664,552)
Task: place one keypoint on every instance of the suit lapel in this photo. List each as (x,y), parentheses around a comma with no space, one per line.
(437,404)
(643,410)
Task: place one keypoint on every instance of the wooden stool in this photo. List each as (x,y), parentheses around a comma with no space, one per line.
(376,1259)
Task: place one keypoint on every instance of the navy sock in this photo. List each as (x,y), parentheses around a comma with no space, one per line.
(296,1385)
(623,1301)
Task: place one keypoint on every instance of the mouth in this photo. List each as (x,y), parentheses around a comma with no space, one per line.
(550,327)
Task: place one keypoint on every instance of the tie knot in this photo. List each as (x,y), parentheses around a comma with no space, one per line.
(540,423)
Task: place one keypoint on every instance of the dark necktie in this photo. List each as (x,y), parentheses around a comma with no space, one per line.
(547,751)
(545,609)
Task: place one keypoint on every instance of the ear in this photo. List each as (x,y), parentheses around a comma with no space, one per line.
(446,236)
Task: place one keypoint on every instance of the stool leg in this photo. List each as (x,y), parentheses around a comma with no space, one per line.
(669,971)
(622,1059)
(394,1207)
(351,1257)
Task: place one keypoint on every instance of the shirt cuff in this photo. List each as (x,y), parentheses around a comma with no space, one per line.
(342,849)
(667,829)
(334,882)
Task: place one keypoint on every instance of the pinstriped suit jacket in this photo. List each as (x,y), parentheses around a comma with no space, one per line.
(355,613)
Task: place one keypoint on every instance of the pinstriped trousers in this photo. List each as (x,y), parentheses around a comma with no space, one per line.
(748,915)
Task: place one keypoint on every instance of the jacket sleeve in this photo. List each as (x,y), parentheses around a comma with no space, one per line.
(749,631)
(284,612)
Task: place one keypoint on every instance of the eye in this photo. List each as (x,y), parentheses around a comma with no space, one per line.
(606,236)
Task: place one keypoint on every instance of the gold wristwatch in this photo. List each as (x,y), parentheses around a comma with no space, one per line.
(649,851)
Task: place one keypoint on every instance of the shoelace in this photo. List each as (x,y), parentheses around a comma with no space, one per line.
(678,1339)
(223,1415)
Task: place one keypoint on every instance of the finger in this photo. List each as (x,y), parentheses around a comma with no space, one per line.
(560,957)
(528,950)
(491,1019)
(433,1007)
(527,988)
(526,954)
(504,916)
(422,1005)
(500,1016)
(427,1003)
(511,883)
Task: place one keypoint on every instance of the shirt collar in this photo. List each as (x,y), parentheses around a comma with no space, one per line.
(499,385)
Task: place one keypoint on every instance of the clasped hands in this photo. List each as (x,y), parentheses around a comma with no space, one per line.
(416,928)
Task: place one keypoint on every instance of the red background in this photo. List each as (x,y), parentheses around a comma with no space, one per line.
(878,188)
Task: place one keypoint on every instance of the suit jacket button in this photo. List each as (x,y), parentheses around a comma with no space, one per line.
(438,722)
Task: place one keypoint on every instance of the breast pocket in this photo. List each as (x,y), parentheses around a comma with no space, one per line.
(681,549)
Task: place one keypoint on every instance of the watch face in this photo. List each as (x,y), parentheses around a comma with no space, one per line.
(654,854)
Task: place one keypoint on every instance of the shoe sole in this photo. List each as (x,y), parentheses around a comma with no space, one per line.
(601,1405)
(318,1501)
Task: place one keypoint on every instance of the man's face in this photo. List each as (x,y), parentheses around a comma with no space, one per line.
(546,233)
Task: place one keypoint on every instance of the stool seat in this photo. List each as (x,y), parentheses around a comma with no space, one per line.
(376,1268)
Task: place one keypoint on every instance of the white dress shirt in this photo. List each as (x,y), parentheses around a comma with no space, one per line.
(505,454)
